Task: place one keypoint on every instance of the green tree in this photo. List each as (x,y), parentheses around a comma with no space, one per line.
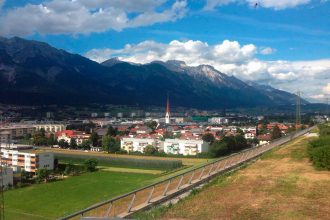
(63,144)
(218,149)
(85,145)
(94,138)
(51,140)
(112,131)
(73,143)
(69,168)
(152,125)
(109,144)
(276,133)
(150,150)
(240,131)
(43,174)
(208,137)
(90,165)
(39,138)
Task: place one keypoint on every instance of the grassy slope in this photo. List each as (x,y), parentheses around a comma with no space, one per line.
(281,185)
(52,200)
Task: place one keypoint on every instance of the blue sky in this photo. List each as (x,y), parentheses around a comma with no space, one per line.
(283,43)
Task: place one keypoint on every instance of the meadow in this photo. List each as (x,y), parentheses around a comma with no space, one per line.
(56,199)
(282,184)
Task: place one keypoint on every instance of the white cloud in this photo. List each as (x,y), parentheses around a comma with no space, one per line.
(85,16)
(275,4)
(231,58)
(2,2)
(267,50)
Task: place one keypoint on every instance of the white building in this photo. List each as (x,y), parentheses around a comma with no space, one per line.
(185,147)
(249,135)
(6,177)
(218,120)
(249,129)
(52,128)
(30,161)
(137,144)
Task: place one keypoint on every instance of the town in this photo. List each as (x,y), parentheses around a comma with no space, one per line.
(31,146)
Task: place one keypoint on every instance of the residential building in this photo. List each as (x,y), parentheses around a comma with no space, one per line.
(218,120)
(67,135)
(16,130)
(6,177)
(30,161)
(137,144)
(185,147)
(249,135)
(51,128)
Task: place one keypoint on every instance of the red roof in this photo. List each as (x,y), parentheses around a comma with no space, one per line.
(68,133)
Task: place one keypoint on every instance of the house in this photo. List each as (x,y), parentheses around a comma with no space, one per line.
(67,135)
(249,135)
(264,139)
(185,147)
(29,160)
(143,130)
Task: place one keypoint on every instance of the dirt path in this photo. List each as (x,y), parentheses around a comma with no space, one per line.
(281,185)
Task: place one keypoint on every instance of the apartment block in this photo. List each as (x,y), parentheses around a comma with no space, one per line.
(29,161)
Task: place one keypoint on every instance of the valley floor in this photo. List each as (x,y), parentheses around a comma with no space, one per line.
(282,184)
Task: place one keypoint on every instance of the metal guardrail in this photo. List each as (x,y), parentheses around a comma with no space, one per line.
(126,204)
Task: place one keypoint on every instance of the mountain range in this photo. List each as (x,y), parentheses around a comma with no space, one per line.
(36,73)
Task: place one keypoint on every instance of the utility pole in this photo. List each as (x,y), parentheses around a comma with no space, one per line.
(2,199)
(298,109)
(327,110)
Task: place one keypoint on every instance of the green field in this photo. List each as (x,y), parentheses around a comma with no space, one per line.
(57,199)
(133,163)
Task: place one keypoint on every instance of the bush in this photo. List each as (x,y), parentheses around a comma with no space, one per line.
(321,157)
(90,165)
(319,149)
(150,150)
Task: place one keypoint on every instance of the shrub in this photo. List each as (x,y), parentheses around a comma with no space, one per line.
(90,165)
(319,149)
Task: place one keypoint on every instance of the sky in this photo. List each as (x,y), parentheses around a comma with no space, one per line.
(282,43)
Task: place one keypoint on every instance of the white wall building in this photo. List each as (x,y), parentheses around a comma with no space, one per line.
(137,144)
(185,147)
(30,161)
(52,128)
(249,135)
(218,120)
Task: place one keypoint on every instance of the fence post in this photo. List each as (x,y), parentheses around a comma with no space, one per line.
(191,178)
(247,155)
(131,203)
(200,177)
(150,195)
(179,184)
(211,169)
(108,211)
(166,188)
(225,164)
(218,167)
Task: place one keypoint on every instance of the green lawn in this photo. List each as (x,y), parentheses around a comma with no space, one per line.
(57,199)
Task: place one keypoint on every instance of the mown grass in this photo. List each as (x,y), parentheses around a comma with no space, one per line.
(57,199)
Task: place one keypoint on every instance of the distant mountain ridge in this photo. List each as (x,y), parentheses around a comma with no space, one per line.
(33,72)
